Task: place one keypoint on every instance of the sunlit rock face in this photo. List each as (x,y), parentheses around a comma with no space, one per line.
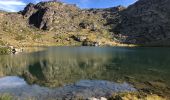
(66,17)
(50,15)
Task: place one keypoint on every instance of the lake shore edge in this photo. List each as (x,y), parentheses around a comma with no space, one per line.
(115,96)
(28,48)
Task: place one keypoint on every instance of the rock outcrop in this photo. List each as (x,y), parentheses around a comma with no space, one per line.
(61,17)
(146,22)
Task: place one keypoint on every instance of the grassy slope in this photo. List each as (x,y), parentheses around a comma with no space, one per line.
(14,31)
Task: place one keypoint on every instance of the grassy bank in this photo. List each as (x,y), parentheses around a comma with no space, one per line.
(4,50)
(6,97)
(115,96)
(136,96)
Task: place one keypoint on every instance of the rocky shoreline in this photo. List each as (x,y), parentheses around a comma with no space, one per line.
(10,50)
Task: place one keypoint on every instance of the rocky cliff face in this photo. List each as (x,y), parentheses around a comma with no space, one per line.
(58,16)
(50,15)
(145,22)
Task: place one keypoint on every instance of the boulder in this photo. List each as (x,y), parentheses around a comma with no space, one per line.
(91,43)
(79,38)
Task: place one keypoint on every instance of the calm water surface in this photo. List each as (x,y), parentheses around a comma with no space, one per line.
(59,66)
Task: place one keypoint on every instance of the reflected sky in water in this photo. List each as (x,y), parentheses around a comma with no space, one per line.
(86,88)
(58,66)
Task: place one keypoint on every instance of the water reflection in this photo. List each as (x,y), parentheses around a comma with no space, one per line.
(58,66)
(83,88)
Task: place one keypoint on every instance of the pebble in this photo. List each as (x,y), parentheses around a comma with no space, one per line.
(102,98)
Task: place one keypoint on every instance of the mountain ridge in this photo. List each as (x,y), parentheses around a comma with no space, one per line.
(54,23)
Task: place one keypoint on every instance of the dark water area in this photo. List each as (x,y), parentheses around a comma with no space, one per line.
(57,67)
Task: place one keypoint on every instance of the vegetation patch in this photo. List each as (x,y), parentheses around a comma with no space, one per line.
(4,50)
(6,97)
(2,43)
(19,37)
(135,96)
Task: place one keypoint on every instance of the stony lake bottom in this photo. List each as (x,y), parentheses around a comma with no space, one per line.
(64,72)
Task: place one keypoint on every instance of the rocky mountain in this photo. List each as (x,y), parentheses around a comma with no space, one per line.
(56,23)
(146,22)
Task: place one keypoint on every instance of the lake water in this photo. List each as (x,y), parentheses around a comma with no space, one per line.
(65,70)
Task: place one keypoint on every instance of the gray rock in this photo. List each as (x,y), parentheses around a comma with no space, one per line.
(145,22)
(79,38)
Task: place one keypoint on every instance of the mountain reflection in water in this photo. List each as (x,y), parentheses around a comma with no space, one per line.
(59,66)
(83,88)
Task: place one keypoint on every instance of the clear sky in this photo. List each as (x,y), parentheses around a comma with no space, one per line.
(17,5)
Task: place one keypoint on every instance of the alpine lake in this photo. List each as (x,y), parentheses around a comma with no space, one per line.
(64,72)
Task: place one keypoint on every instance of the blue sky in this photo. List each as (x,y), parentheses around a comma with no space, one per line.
(17,5)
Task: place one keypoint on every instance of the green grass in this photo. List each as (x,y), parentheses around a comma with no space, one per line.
(6,97)
(2,43)
(4,50)
(37,36)
(19,37)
